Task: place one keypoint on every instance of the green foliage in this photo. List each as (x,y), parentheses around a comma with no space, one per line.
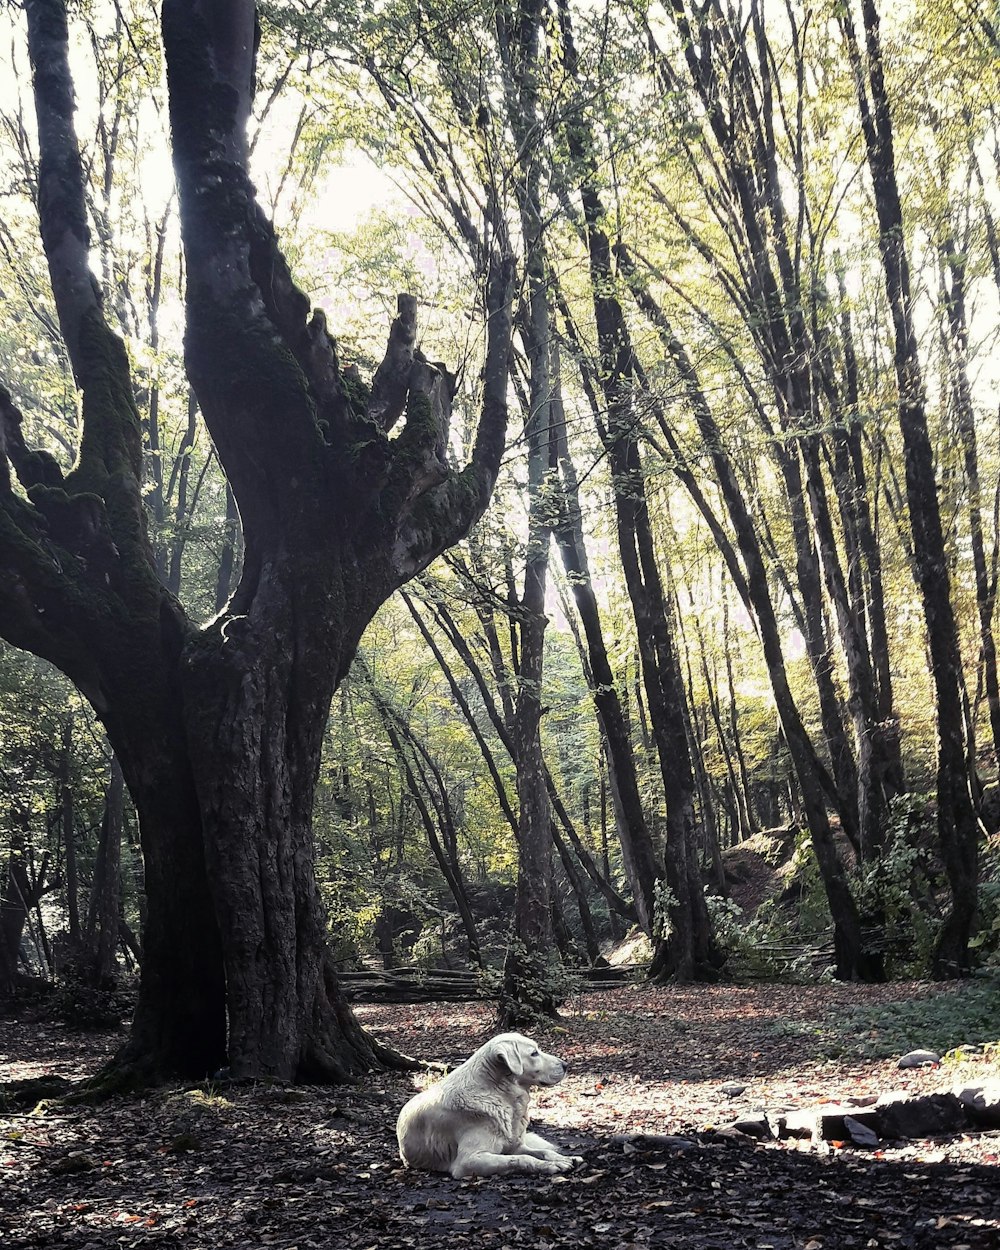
(762,948)
(895,891)
(90,1007)
(664,903)
(987,939)
(530,986)
(940,1022)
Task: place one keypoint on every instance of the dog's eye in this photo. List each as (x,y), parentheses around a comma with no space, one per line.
(534,1054)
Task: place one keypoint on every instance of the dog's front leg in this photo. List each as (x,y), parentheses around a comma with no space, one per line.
(477,1155)
(541,1149)
(486,1163)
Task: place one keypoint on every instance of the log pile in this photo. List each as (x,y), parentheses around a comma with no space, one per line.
(448,985)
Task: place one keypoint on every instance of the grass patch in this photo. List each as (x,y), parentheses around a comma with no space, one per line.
(203,1098)
(966,1016)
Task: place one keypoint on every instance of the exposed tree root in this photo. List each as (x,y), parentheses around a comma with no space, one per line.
(33,1092)
(341,1050)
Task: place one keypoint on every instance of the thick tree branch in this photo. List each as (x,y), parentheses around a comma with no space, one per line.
(61,200)
(442,516)
(392,378)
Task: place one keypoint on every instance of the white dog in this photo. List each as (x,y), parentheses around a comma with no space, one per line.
(474,1122)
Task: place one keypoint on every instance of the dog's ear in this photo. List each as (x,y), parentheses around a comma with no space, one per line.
(510,1053)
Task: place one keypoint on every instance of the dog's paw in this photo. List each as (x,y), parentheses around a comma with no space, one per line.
(551,1166)
(561,1164)
(565,1161)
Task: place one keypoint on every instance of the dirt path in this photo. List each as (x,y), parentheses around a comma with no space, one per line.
(316,1167)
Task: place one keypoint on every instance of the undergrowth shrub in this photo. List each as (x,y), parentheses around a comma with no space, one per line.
(896,891)
(90,1007)
(542,979)
(759,948)
(969,1015)
(987,938)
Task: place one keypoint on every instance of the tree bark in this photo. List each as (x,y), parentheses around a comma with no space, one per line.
(956,818)
(18,895)
(101,932)
(219,730)
(526,992)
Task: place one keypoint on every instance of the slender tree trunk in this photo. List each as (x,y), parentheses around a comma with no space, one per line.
(525,992)
(852,961)
(395,729)
(228,560)
(105,906)
(591,944)
(183,503)
(851,482)
(616,903)
(463,704)
(638,855)
(957,824)
(744,787)
(688,947)
(67,822)
(18,895)
(965,420)
(743,106)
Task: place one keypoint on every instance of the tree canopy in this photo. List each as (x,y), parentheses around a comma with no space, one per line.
(733,270)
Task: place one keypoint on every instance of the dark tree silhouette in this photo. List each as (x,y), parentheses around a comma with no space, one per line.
(218,729)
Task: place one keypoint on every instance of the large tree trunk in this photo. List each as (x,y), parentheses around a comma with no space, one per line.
(180,1021)
(219,731)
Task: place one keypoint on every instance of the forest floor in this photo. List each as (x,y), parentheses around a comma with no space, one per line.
(317,1167)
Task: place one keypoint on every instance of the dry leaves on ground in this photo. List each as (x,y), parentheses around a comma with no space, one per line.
(315,1167)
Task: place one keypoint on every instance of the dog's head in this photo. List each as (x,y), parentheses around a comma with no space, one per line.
(522,1058)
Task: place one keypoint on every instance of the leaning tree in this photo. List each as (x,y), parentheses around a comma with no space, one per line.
(219,728)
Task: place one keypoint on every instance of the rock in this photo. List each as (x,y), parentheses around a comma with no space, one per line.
(919,1059)
(823,1123)
(899,1114)
(967,1051)
(981,1103)
(754,1125)
(832,1121)
(860,1133)
(798,1124)
(75,1161)
(732,1089)
(729,1132)
(652,1143)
